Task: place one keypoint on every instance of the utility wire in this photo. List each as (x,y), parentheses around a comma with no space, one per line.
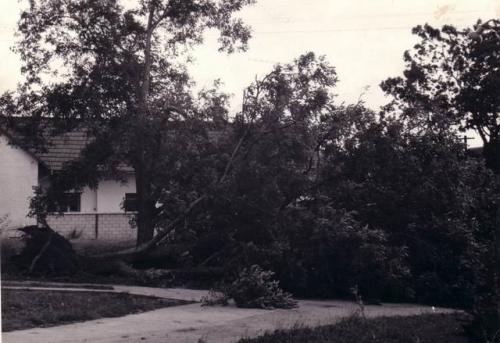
(362,16)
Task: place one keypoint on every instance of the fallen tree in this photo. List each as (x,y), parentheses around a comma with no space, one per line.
(47,252)
(281,102)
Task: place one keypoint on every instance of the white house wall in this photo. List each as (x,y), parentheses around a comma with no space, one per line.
(101,216)
(111,193)
(107,198)
(88,200)
(18,176)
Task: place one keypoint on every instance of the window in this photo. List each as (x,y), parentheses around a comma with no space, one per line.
(70,202)
(130,204)
(73,202)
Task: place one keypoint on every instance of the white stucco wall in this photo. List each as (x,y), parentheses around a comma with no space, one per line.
(111,193)
(107,198)
(18,176)
(88,200)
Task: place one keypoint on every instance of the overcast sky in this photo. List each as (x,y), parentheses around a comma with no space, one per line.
(363,39)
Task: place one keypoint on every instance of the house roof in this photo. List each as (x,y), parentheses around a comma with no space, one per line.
(59,149)
(63,148)
(12,140)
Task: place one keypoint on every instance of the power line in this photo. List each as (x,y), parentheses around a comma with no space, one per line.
(364,16)
(263,60)
(336,30)
(340,29)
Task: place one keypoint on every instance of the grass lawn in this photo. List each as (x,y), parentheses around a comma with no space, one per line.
(48,284)
(23,309)
(431,328)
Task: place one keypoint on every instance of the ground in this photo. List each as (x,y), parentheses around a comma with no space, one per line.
(194,323)
(24,309)
(185,323)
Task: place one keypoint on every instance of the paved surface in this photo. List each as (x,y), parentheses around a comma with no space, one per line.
(169,293)
(193,323)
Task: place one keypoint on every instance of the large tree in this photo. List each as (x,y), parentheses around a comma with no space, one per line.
(451,81)
(112,68)
(452,78)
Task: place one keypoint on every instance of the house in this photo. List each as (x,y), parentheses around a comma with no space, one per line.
(102,213)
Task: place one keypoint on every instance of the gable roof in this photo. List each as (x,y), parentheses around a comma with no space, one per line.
(11,140)
(60,148)
(63,148)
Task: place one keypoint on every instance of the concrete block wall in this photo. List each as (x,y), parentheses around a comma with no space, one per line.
(65,225)
(108,226)
(116,227)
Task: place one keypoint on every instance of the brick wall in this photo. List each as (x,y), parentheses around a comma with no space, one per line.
(107,226)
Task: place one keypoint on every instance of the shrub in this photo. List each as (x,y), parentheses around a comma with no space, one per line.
(215,298)
(156,277)
(255,288)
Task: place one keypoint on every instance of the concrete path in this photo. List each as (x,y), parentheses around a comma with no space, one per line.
(169,293)
(193,323)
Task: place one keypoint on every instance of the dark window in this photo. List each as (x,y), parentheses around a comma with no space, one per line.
(73,202)
(69,202)
(130,204)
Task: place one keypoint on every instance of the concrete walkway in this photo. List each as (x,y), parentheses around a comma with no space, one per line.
(168,293)
(193,323)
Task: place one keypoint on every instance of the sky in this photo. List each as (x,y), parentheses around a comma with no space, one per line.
(364,40)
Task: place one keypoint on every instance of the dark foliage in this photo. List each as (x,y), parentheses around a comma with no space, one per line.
(452,78)
(416,329)
(45,252)
(326,196)
(451,81)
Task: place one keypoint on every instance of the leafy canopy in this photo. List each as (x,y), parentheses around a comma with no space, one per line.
(452,78)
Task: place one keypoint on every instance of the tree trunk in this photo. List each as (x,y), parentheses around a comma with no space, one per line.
(491,155)
(144,218)
(145,228)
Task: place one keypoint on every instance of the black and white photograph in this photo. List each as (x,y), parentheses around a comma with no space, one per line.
(250,171)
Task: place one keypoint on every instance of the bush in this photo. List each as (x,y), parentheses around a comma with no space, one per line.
(215,298)
(254,288)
